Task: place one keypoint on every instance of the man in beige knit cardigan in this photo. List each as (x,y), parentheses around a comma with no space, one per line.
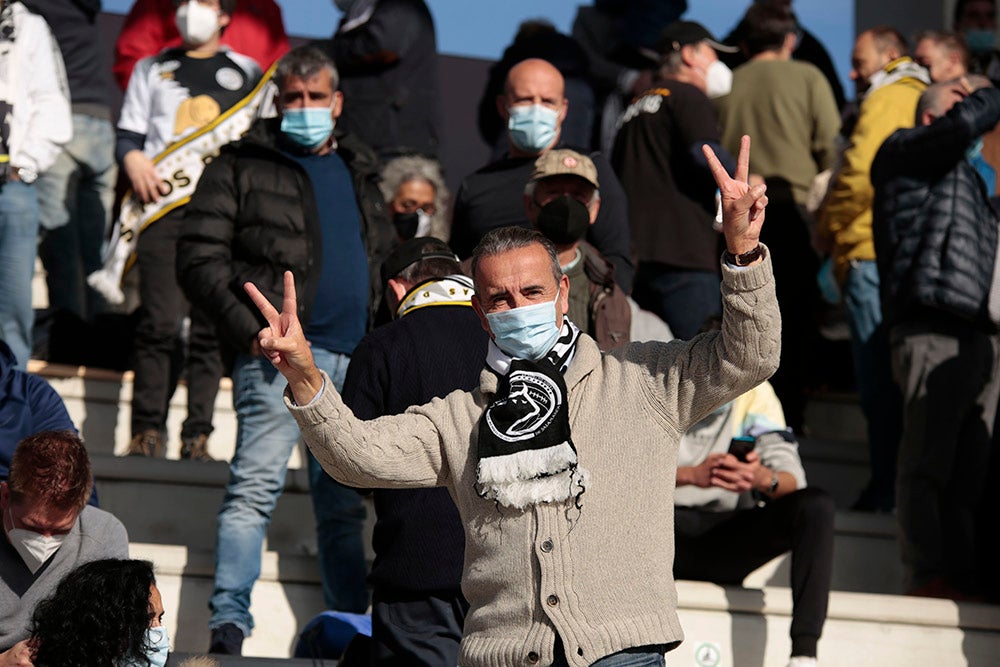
(563,463)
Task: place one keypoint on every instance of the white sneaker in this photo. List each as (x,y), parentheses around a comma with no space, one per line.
(803,661)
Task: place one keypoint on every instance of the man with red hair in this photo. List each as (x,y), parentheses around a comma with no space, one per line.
(48,529)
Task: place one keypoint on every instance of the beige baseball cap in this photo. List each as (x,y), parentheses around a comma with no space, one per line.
(562,162)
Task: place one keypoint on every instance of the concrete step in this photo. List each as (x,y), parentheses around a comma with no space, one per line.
(748,627)
(743,626)
(839,467)
(836,416)
(176,502)
(99,403)
(286,597)
(186,496)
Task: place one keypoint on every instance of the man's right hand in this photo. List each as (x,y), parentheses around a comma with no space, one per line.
(142,175)
(284,343)
(19,655)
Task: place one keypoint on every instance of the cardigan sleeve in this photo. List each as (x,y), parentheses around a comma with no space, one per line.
(686,380)
(396,451)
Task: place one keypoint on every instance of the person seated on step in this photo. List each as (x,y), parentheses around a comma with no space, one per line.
(736,509)
(48,529)
(106,612)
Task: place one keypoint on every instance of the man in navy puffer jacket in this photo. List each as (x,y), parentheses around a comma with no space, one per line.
(936,245)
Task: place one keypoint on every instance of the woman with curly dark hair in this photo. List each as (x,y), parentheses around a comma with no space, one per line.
(106,613)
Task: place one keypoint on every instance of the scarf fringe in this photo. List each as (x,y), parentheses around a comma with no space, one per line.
(526,464)
(556,488)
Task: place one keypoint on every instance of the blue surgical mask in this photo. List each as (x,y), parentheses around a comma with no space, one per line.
(974,154)
(308,127)
(528,332)
(980,41)
(532,128)
(158,643)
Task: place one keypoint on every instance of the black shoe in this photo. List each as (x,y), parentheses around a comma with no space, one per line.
(227,639)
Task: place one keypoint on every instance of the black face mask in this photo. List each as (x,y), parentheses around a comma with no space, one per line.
(563,221)
(406,224)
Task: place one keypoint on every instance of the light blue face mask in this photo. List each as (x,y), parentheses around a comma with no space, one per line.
(308,127)
(533,127)
(528,332)
(980,41)
(158,642)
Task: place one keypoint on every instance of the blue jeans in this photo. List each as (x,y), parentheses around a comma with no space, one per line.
(881,400)
(75,196)
(18,239)
(682,298)
(640,656)
(266,435)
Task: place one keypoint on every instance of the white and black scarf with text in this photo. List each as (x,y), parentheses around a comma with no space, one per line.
(526,452)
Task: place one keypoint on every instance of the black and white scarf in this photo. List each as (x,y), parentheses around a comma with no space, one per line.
(447,291)
(526,453)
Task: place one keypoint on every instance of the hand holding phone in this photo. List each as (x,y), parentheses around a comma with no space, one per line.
(740,446)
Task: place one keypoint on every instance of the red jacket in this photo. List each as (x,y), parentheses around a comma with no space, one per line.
(256,30)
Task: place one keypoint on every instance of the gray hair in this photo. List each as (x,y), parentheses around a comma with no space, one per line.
(504,239)
(670,64)
(408,168)
(304,62)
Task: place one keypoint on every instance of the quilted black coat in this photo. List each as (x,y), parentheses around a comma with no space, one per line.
(934,229)
(253,216)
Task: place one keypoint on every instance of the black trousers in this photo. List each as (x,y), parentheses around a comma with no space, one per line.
(949,375)
(724,547)
(157,358)
(417,629)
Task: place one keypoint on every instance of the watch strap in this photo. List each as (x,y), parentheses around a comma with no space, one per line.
(745,258)
(774,483)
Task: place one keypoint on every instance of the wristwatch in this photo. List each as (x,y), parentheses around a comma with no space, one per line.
(745,258)
(26,175)
(774,484)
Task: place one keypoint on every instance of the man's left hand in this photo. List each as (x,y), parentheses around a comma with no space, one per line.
(732,474)
(742,205)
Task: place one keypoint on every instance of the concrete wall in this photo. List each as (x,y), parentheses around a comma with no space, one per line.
(909,17)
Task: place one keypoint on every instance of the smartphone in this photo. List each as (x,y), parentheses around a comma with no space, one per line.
(740,446)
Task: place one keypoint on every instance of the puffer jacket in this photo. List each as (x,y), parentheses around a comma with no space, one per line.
(934,229)
(254,215)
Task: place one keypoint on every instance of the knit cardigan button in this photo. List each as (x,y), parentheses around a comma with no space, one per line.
(547,546)
(552,600)
(533,657)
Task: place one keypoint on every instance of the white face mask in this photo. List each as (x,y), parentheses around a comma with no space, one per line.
(718,79)
(196,22)
(34,548)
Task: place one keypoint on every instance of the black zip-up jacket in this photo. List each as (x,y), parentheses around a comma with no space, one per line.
(253,215)
(934,229)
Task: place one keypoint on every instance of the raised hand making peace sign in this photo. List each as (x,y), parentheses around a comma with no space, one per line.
(284,343)
(742,205)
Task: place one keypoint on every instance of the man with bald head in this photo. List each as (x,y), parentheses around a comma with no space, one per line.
(936,240)
(533,106)
(889,83)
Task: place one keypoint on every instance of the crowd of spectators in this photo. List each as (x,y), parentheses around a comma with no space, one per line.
(618,159)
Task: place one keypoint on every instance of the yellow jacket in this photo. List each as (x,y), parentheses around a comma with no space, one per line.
(846,217)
